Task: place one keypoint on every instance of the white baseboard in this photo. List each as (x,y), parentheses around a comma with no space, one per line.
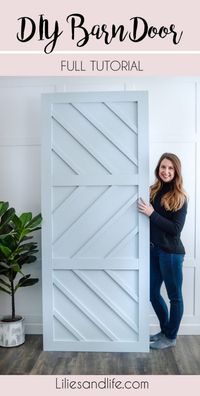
(33,324)
(185,329)
(37,328)
(34,328)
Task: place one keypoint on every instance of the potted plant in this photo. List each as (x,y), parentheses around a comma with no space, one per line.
(16,249)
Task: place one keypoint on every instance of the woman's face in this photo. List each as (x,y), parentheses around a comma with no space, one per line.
(166,170)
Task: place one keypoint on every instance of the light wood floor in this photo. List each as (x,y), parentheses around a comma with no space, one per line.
(31,359)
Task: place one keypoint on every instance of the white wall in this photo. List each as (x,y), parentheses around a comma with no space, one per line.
(174,125)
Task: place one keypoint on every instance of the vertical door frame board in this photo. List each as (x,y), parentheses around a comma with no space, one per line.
(143,166)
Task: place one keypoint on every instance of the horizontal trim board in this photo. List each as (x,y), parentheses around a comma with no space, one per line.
(85,97)
(185,329)
(95,263)
(96,180)
(97,346)
(13,141)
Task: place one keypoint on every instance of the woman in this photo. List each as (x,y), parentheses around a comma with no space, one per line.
(167,212)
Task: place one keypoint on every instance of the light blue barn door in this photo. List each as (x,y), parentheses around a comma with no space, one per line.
(95,243)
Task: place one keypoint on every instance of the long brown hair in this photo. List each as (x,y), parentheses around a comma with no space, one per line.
(174,199)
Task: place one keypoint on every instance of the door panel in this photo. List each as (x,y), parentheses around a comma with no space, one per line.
(95,243)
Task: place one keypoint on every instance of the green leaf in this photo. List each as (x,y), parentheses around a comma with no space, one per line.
(4,290)
(25,218)
(27,282)
(35,222)
(5,250)
(30,260)
(27,247)
(7,217)
(16,268)
(17,222)
(26,260)
(23,234)
(3,207)
(3,236)
(10,243)
(3,282)
(26,238)
(25,277)
(6,229)
(16,247)
(35,229)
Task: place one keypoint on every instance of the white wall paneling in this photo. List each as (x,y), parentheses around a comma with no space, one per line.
(174,126)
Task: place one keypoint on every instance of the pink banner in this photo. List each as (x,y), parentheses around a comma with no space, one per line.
(100,65)
(109,385)
(98,26)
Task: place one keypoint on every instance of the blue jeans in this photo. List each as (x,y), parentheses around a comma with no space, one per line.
(166,267)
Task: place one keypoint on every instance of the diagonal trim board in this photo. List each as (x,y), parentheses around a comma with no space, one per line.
(100,127)
(122,285)
(91,316)
(122,116)
(108,193)
(66,324)
(120,244)
(64,198)
(106,300)
(67,160)
(87,146)
(77,194)
(107,224)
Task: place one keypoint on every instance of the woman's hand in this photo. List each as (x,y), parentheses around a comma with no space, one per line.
(144,208)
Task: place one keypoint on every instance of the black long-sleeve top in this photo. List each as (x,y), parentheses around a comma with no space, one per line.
(165,225)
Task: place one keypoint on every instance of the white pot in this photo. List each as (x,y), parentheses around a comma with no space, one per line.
(12,333)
